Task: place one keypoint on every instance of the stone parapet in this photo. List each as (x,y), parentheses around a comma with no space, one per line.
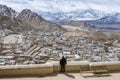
(53,66)
(37,69)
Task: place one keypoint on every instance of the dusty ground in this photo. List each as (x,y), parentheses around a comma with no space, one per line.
(70,28)
(69,76)
(73,31)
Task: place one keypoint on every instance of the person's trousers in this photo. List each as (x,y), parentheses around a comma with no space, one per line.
(62,69)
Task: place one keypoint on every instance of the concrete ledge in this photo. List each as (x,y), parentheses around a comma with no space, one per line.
(37,69)
(72,66)
(51,67)
(111,66)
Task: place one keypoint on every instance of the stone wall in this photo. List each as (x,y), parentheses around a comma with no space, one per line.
(52,67)
(16,70)
(111,66)
(72,66)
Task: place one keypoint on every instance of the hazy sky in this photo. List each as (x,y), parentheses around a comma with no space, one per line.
(63,5)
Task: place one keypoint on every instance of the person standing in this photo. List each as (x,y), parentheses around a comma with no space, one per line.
(63,62)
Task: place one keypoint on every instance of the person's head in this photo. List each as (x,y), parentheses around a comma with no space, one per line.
(63,57)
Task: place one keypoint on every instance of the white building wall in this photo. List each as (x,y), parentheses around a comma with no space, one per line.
(12,39)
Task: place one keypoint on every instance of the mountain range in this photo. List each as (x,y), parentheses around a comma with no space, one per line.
(25,20)
(110,19)
(7,11)
(94,16)
(48,21)
(77,15)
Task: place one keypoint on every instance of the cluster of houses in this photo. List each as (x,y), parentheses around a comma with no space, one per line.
(36,48)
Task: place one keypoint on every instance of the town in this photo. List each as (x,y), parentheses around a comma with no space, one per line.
(38,48)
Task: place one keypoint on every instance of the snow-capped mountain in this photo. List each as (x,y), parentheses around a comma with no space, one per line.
(84,15)
(25,21)
(38,23)
(111,19)
(62,5)
(7,11)
(67,10)
(90,15)
(77,15)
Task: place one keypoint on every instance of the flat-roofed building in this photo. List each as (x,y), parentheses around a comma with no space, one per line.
(11,40)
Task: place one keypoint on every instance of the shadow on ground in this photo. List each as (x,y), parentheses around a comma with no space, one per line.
(53,75)
(69,75)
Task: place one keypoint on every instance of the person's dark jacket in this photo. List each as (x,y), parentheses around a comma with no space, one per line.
(63,61)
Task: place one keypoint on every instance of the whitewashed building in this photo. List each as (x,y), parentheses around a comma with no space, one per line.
(11,40)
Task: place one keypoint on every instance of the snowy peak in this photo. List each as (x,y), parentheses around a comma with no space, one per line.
(77,15)
(91,15)
(29,16)
(26,20)
(38,23)
(111,19)
(6,11)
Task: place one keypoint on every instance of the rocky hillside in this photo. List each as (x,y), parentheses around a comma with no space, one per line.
(6,11)
(26,20)
(38,22)
(81,24)
(13,24)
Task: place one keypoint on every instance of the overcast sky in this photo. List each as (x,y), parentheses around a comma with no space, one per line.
(63,5)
